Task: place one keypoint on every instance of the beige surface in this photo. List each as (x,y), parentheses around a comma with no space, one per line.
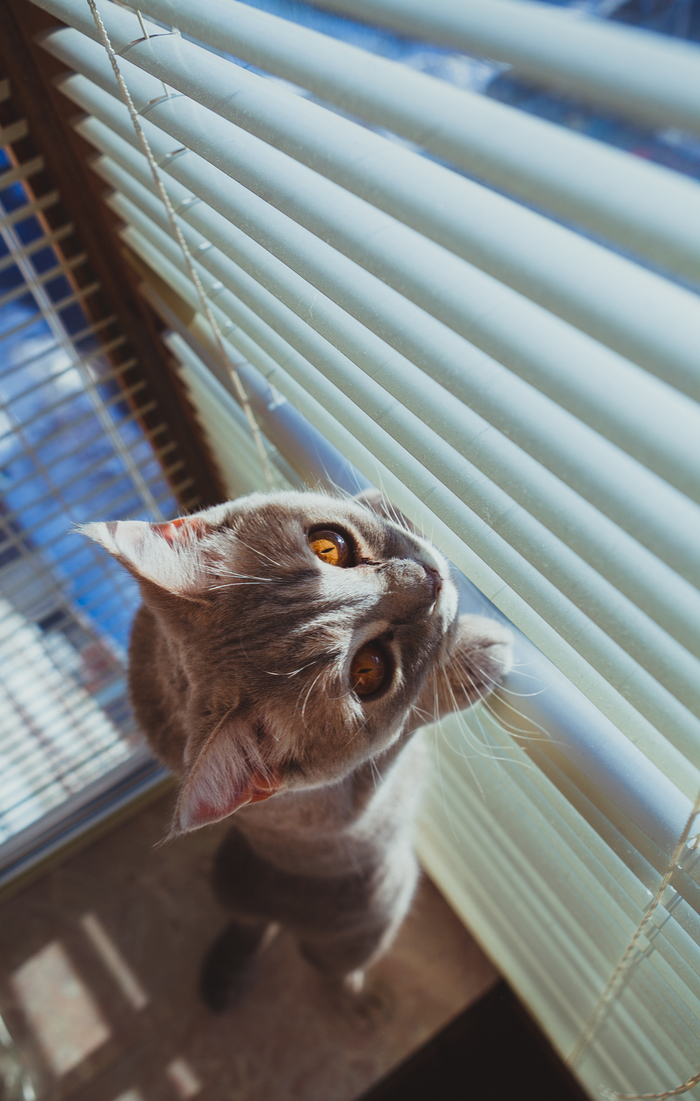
(98,973)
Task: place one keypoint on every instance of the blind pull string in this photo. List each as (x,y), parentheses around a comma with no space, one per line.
(179,237)
(610,1095)
(620,974)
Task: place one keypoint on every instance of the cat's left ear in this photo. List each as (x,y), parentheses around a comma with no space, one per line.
(171,555)
(481,656)
(227,773)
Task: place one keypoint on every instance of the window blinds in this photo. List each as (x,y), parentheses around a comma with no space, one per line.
(526,388)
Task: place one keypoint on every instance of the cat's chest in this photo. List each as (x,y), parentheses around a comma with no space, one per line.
(359,822)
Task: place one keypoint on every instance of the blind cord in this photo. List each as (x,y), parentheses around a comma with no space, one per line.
(610,1095)
(179,237)
(621,972)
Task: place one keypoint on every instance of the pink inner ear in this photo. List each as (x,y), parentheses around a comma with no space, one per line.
(202,812)
(222,779)
(179,530)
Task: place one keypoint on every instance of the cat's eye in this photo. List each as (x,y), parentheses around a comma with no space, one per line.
(332,547)
(369,669)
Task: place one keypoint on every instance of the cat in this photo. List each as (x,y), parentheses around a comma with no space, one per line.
(287,648)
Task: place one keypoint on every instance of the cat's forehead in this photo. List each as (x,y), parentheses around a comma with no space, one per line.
(287,517)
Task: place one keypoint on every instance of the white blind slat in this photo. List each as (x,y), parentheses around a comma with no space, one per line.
(650,77)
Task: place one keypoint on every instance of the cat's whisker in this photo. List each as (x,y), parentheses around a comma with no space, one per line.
(508,726)
(422,713)
(375,773)
(243,576)
(359,730)
(441,778)
(301,669)
(488,749)
(256,550)
(519,666)
(306,698)
(476,697)
(218,569)
(496,682)
(233,585)
(525,734)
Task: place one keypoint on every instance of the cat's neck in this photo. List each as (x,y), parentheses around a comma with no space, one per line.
(330,829)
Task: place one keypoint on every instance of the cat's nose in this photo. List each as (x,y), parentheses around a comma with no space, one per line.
(435,580)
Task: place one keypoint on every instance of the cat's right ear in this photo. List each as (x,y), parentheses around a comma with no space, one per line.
(172,555)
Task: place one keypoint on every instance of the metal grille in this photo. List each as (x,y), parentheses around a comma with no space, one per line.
(72,449)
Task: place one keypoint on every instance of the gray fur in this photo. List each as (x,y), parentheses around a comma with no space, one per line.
(239,672)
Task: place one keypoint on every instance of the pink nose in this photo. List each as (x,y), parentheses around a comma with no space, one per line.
(435,580)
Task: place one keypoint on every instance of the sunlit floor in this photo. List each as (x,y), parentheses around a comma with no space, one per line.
(98,973)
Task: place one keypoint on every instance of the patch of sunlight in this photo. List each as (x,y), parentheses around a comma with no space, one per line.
(183,1078)
(15,1084)
(59,1008)
(114,961)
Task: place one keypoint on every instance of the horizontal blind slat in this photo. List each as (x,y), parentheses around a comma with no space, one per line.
(28,210)
(21,172)
(647,76)
(574,963)
(550,258)
(45,277)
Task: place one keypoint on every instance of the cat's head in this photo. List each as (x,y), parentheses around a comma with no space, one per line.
(303,626)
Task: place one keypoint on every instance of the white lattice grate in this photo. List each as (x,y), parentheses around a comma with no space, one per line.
(72,449)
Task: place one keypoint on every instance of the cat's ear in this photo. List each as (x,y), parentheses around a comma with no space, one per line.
(170,555)
(226,774)
(481,655)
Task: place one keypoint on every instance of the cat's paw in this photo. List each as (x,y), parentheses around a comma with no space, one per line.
(365,1001)
(228,964)
(354,982)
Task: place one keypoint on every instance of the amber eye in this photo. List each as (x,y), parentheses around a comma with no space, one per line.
(330,547)
(369,669)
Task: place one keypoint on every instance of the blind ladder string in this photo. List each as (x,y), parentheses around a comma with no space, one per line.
(619,976)
(177,233)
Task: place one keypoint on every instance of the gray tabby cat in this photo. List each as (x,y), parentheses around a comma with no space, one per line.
(287,648)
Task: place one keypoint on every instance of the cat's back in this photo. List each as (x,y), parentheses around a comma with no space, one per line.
(157,689)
